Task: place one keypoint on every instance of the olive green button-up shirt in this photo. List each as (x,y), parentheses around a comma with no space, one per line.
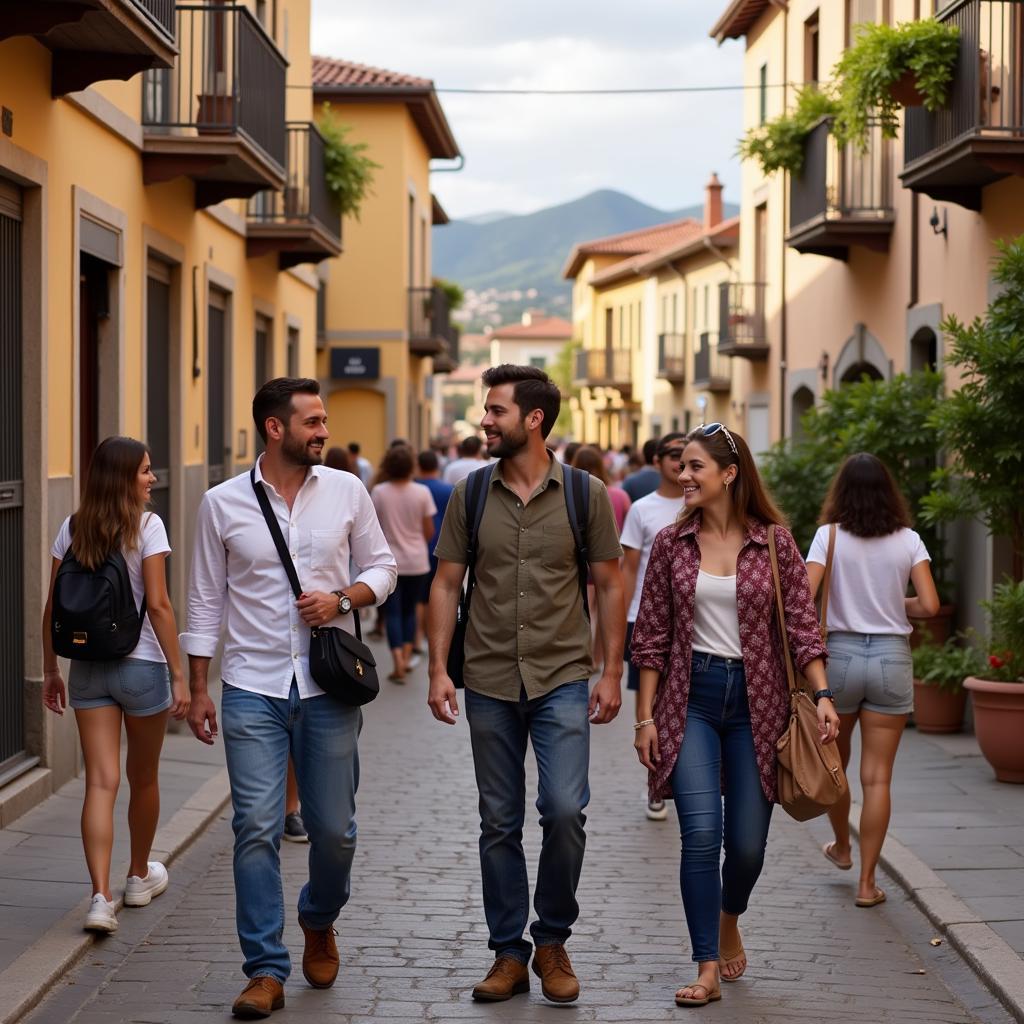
(526,624)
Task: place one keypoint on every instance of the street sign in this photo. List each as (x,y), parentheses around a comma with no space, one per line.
(355,363)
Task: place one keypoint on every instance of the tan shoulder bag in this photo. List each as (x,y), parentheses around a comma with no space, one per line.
(810,773)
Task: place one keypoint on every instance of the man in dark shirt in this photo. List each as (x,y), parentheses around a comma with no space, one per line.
(644,481)
(527,665)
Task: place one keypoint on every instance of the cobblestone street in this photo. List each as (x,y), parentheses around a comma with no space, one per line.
(413,941)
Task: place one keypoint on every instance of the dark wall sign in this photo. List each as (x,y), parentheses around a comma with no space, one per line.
(355,363)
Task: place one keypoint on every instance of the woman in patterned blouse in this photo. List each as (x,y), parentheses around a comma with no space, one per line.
(713,694)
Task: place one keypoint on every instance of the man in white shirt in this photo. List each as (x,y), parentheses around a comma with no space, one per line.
(470,458)
(646,518)
(270,706)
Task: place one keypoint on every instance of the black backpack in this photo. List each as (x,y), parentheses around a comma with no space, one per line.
(93,614)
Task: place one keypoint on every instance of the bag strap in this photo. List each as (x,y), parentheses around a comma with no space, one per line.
(781,609)
(576,485)
(477,488)
(826,583)
(282,548)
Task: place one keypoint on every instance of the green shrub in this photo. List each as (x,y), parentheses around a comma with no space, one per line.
(946,666)
(778,144)
(1006,633)
(348,170)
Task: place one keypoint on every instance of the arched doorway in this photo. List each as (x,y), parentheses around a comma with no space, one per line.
(801,402)
(924,350)
(358,414)
(854,373)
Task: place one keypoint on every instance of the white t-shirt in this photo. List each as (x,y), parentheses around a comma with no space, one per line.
(459,469)
(645,519)
(869,579)
(152,541)
(716,623)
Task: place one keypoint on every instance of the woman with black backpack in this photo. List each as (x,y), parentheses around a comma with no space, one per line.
(107,610)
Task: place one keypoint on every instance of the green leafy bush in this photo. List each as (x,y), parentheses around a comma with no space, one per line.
(946,666)
(348,170)
(1006,633)
(778,144)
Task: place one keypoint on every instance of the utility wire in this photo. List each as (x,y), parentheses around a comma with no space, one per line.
(593,92)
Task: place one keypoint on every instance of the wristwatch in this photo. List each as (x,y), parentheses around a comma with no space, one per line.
(818,694)
(344,602)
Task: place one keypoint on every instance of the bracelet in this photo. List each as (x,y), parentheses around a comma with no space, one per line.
(640,725)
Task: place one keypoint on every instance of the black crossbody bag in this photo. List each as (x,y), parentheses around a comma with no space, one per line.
(340,663)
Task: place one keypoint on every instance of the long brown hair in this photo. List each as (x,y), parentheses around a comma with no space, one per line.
(110,513)
(748,494)
(864,500)
(588,457)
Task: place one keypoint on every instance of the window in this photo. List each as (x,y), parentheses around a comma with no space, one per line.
(811,48)
(539,361)
(293,352)
(762,94)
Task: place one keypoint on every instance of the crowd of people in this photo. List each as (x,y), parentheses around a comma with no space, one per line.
(534,575)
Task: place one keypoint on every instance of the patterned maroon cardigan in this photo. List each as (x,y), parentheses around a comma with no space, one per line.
(663,637)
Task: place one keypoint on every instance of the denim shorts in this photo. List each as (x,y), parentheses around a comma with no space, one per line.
(137,687)
(871,671)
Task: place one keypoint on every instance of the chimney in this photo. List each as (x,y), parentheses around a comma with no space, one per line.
(712,203)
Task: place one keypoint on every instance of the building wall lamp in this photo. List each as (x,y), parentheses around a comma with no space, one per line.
(939,227)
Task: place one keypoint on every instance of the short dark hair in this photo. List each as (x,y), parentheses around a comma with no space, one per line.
(864,498)
(353,447)
(570,452)
(650,449)
(470,446)
(534,389)
(275,399)
(397,463)
(665,443)
(427,461)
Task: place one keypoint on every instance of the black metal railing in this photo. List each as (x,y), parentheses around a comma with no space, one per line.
(986,95)
(709,368)
(672,356)
(230,79)
(741,319)
(841,182)
(305,195)
(429,315)
(604,367)
(160,12)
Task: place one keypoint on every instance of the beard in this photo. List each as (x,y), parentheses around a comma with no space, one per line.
(509,444)
(299,453)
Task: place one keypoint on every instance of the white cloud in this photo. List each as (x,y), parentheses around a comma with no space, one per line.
(526,152)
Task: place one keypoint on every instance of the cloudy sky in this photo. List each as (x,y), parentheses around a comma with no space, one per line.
(526,152)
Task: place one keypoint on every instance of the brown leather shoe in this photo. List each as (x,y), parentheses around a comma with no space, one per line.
(260,998)
(507,977)
(320,958)
(557,980)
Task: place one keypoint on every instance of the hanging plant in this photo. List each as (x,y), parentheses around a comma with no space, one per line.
(347,168)
(887,66)
(778,144)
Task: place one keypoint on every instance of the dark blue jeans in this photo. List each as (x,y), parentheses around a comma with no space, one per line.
(559,729)
(718,747)
(400,610)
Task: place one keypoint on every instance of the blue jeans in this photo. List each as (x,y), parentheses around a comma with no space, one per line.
(718,747)
(400,610)
(321,734)
(558,726)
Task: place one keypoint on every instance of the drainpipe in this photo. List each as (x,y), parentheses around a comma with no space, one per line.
(461,162)
(785,221)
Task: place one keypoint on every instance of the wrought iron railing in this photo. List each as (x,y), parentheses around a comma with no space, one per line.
(229,79)
(672,356)
(741,319)
(429,315)
(604,367)
(841,182)
(709,368)
(987,93)
(160,12)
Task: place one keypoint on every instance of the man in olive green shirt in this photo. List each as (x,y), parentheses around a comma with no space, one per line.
(527,666)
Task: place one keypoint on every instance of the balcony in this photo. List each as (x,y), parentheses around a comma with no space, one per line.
(978,138)
(711,370)
(741,321)
(430,326)
(301,224)
(218,117)
(842,197)
(605,368)
(95,40)
(447,360)
(672,358)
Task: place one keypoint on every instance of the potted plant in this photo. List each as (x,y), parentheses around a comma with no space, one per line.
(997,694)
(778,144)
(939,694)
(347,169)
(889,66)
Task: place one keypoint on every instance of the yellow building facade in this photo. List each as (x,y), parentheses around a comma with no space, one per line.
(158,235)
(386,328)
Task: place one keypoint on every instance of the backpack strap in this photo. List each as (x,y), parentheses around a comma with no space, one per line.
(576,486)
(477,488)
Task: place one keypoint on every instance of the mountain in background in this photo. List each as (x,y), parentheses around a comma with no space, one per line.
(505,253)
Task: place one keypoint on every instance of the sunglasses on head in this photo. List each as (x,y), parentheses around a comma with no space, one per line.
(710,429)
(670,453)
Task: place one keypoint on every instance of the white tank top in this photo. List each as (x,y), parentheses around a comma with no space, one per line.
(716,624)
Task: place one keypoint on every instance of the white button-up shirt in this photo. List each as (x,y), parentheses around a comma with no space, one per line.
(238,582)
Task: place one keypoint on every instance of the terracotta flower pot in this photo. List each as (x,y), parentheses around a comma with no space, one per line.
(905,92)
(938,710)
(999,725)
(938,628)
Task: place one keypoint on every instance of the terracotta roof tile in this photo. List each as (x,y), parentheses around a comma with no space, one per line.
(634,243)
(542,327)
(330,71)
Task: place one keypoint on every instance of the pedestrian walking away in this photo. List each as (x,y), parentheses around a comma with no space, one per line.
(470,458)
(876,554)
(644,521)
(112,553)
(526,671)
(429,474)
(644,480)
(271,707)
(713,696)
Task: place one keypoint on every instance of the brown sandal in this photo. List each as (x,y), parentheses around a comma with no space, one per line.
(723,962)
(829,855)
(712,995)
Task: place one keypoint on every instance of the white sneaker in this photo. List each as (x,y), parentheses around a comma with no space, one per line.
(415,661)
(139,891)
(101,916)
(656,810)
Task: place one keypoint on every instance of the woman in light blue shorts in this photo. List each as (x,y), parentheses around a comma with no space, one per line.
(876,556)
(136,690)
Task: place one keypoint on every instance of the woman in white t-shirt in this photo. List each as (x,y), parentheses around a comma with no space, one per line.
(138,689)
(869,669)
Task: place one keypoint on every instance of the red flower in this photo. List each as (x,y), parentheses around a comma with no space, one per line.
(995,661)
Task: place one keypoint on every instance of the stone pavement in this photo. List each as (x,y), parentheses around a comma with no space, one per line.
(413,941)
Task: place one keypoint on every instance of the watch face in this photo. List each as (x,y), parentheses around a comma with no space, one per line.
(345,605)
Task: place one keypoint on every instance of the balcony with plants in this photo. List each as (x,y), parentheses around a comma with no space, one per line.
(430,324)
(218,116)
